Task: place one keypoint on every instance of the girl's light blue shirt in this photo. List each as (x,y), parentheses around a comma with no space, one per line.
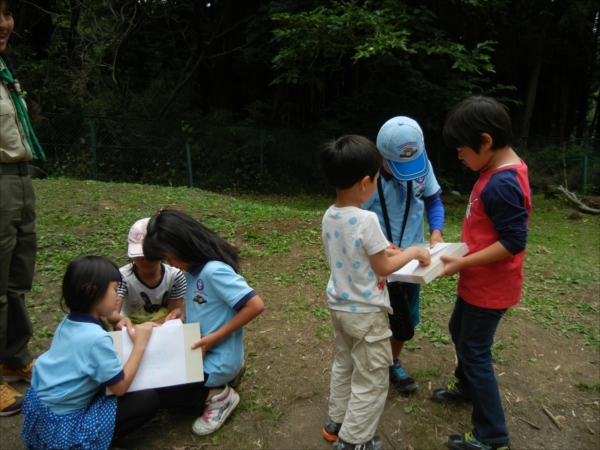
(80,362)
(215,293)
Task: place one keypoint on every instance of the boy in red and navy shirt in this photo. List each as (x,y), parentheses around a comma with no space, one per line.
(495,229)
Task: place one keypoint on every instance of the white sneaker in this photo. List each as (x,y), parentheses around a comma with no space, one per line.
(216,412)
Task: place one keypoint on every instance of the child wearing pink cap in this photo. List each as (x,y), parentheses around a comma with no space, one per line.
(151,291)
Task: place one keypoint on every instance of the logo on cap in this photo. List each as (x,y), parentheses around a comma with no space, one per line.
(407,150)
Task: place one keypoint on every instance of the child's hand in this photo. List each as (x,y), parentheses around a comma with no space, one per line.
(453,265)
(177,313)
(124,322)
(206,343)
(140,334)
(436,237)
(423,256)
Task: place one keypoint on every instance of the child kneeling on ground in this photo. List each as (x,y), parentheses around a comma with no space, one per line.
(217,298)
(360,257)
(495,228)
(66,406)
(150,291)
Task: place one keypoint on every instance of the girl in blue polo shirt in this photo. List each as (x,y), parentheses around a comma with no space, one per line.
(66,406)
(217,298)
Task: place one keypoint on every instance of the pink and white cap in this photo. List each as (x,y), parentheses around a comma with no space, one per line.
(136,236)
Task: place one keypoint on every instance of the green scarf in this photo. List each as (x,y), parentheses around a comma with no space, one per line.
(23,116)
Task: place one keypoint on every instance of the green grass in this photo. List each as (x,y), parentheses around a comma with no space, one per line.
(87,217)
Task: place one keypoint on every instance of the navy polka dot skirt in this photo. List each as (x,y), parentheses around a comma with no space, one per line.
(90,428)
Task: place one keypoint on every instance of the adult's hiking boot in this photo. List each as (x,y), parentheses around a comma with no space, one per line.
(11,401)
(21,374)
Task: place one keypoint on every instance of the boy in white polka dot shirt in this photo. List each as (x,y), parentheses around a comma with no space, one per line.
(360,257)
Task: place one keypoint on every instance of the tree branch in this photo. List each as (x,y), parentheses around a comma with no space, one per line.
(578,202)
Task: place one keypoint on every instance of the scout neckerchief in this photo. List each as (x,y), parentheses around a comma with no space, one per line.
(22,115)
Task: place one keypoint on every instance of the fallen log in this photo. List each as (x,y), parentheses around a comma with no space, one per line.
(582,207)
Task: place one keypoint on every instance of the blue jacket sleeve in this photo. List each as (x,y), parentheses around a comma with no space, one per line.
(504,203)
(435,212)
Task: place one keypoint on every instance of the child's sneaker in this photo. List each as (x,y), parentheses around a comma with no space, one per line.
(452,393)
(468,442)
(400,379)
(331,430)
(372,444)
(216,412)
(11,401)
(22,374)
(238,378)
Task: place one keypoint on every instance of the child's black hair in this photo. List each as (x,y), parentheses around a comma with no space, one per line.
(173,232)
(86,281)
(468,119)
(348,160)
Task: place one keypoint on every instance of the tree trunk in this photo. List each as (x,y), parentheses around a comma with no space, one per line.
(533,83)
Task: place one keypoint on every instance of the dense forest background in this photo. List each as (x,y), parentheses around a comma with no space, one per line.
(340,65)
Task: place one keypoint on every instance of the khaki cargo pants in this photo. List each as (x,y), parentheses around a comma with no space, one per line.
(360,373)
(18,246)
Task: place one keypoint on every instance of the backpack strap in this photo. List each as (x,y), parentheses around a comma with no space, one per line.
(386,217)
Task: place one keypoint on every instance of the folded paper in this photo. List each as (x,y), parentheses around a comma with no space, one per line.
(413,272)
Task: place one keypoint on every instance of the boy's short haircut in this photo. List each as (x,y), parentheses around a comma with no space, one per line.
(348,160)
(473,116)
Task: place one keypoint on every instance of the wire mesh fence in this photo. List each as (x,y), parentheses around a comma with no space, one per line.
(572,163)
(260,159)
(207,156)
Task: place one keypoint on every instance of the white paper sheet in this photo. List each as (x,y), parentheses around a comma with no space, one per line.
(409,268)
(163,363)
(438,247)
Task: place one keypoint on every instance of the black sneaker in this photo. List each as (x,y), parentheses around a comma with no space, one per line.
(372,444)
(451,394)
(331,430)
(468,442)
(401,380)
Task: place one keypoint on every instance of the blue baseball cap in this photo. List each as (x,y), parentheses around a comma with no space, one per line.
(400,141)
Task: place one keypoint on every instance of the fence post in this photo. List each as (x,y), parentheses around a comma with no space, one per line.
(189,164)
(585,163)
(93,142)
(262,149)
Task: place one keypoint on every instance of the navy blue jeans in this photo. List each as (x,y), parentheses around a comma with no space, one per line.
(472,329)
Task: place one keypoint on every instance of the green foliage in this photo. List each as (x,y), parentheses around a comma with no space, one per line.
(387,52)
(362,30)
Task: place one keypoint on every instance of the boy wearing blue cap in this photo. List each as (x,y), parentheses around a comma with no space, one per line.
(407,189)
